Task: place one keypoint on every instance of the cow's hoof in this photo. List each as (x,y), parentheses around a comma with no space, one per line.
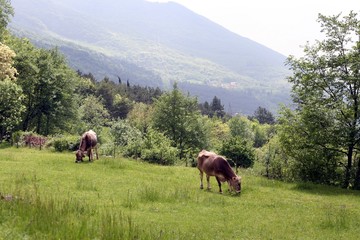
(201,187)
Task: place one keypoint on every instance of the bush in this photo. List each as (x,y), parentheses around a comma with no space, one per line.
(157,149)
(277,165)
(28,139)
(66,143)
(239,151)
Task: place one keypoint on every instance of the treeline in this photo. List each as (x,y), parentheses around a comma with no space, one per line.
(316,140)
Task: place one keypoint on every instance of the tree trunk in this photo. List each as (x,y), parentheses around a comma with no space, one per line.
(357,177)
(348,167)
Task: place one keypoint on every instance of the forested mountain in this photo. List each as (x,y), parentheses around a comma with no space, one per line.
(156,44)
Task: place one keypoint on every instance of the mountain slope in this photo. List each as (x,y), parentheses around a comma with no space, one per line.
(151,44)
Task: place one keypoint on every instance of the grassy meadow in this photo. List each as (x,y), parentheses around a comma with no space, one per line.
(45,195)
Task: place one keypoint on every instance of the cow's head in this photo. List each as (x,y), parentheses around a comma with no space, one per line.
(235,183)
(79,155)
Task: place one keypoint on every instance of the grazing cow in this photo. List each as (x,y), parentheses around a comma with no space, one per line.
(215,165)
(87,144)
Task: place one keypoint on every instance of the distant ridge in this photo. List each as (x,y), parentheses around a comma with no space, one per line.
(157,44)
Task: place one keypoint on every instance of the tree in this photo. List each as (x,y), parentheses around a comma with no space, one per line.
(326,89)
(140,116)
(7,70)
(263,116)
(178,117)
(241,127)
(217,108)
(11,106)
(6,11)
(239,151)
(11,96)
(48,86)
(93,114)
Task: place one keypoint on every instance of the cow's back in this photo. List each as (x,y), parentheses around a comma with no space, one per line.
(88,140)
(214,165)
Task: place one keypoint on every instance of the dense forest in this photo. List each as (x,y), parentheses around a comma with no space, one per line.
(316,140)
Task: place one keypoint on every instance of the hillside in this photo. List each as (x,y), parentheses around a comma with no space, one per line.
(45,195)
(156,44)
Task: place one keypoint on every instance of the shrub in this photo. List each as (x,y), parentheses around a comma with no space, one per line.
(157,149)
(239,151)
(66,143)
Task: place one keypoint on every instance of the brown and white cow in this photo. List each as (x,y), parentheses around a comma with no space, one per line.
(215,165)
(87,144)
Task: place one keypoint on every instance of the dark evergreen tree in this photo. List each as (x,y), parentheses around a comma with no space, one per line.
(263,116)
(217,108)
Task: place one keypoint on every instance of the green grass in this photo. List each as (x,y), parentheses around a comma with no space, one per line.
(45,195)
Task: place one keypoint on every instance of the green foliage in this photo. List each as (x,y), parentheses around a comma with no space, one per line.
(48,85)
(239,151)
(312,162)
(217,133)
(326,90)
(178,117)
(263,115)
(11,106)
(276,163)
(123,133)
(157,149)
(240,126)
(215,109)
(93,114)
(6,11)
(65,143)
(140,116)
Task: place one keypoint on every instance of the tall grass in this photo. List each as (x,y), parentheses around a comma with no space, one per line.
(45,195)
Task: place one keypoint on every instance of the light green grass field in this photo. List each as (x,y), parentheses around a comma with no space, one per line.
(45,195)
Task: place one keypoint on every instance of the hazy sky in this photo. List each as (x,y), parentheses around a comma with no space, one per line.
(282,25)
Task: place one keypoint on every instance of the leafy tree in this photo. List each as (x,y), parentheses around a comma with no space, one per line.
(177,116)
(241,127)
(48,85)
(11,94)
(123,133)
(218,132)
(140,116)
(326,88)
(128,138)
(239,151)
(6,11)
(11,106)
(263,116)
(303,147)
(7,71)
(157,149)
(278,164)
(120,107)
(93,114)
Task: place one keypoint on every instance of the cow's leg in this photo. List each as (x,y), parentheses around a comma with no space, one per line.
(219,183)
(97,155)
(208,182)
(89,152)
(201,179)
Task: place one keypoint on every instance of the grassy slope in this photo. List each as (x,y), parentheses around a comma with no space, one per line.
(52,197)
